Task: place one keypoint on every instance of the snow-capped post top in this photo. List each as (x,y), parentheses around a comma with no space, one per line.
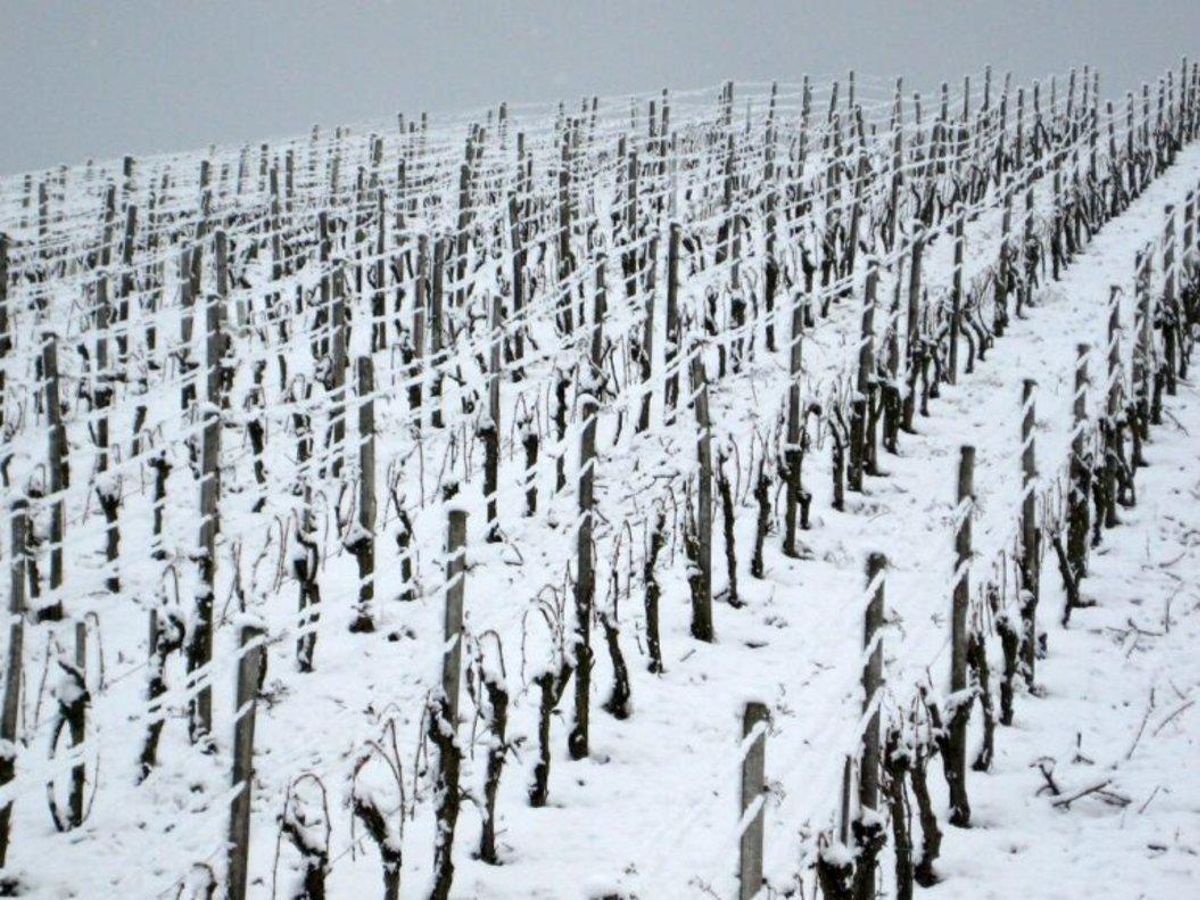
(249,620)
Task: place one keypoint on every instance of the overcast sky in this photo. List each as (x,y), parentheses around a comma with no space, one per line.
(100,78)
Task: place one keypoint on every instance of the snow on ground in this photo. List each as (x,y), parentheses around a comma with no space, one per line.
(652,813)
(1121,688)
(654,810)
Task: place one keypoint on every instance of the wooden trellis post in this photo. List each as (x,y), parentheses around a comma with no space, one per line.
(647,348)
(43,228)
(251,668)
(189,279)
(867,386)
(516,229)
(1025,295)
(379,296)
(1143,355)
(1169,305)
(795,423)
(956,299)
(702,621)
(337,374)
(771,263)
(456,541)
(1030,538)
(913,325)
(437,330)
(108,493)
(416,372)
(5,332)
(565,259)
(491,428)
(1079,493)
(585,583)
(960,809)
(59,475)
(861,444)
(363,545)
(201,641)
(671,345)
(872,678)
(125,286)
(15,663)
(1113,439)
(750,855)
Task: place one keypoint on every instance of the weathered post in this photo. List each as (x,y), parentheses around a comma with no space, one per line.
(956,299)
(771,264)
(363,543)
(647,343)
(57,464)
(416,372)
(6,341)
(795,423)
(585,584)
(251,666)
(189,279)
(1081,474)
(1112,428)
(337,373)
(1004,264)
(442,710)
(108,490)
(125,286)
(9,719)
(1143,354)
(671,344)
(960,808)
(754,748)
(1025,294)
(516,230)
(378,294)
(867,388)
(437,331)
(913,319)
(1170,312)
(201,639)
(456,539)
(702,622)
(1030,565)
(490,428)
(869,826)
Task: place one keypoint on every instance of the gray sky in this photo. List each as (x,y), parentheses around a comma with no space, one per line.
(90,78)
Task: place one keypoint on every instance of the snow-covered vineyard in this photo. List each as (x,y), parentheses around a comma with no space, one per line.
(770,490)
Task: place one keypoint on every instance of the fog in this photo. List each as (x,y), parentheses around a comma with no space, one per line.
(100,79)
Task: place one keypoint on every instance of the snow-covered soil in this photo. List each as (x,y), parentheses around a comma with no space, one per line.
(654,809)
(1119,709)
